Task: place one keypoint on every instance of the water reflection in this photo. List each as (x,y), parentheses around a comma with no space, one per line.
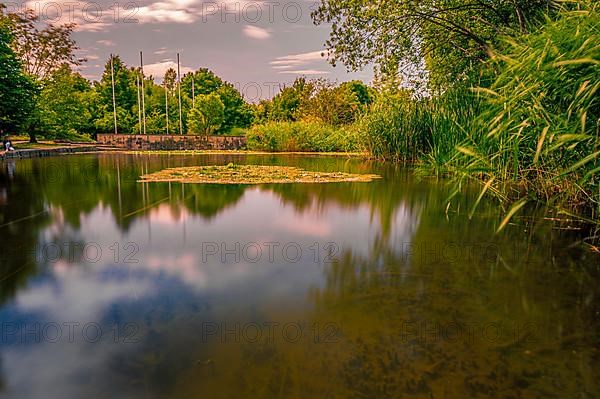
(116,288)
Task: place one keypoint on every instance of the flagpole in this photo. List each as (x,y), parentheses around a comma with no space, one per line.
(143,93)
(179,89)
(167,105)
(112,79)
(137,83)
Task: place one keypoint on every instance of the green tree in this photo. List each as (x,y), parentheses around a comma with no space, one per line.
(286,104)
(333,105)
(237,113)
(125,97)
(203,81)
(452,36)
(170,79)
(63,104)
(17,90)
(43,51)
(207,115)
(364,94)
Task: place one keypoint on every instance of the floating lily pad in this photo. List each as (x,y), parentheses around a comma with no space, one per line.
(251,174)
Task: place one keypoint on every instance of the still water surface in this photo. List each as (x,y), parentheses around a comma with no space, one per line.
(114,288)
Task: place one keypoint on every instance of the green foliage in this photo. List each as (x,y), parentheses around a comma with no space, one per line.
(125,97)
(396,127)
(285,105)
(63,105)
(42,51)
(332,105)
(104,123)
(454,36)
(204,81)
(363,93)
(540,127)
(300,136)
(316,100)
(207,115)
(17,91)
(236,112)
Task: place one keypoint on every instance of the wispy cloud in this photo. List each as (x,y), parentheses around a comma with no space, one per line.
(306,72)
(296,60)
(310,63)
(166,12)
(254,32)
(107,43)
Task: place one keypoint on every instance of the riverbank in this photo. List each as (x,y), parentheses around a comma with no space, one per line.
(47,151)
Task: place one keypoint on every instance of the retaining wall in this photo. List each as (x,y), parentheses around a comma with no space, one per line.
(172,142)
(46,152)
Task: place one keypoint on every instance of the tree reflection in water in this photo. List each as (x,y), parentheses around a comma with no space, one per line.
(419,301)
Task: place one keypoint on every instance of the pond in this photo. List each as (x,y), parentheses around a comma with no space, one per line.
(116,288)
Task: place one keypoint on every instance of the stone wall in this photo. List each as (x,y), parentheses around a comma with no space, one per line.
(172,142)
(46,152)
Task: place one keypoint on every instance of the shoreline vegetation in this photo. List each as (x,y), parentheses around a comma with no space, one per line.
(508,100)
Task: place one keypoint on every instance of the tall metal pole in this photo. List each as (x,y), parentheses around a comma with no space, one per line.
(137,82)
(167,105)
(112,79)
(193,92)
(179,89)
(143,93)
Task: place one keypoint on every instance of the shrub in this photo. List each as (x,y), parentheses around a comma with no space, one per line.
(300,136)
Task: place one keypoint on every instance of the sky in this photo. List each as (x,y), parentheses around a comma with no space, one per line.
(258,46)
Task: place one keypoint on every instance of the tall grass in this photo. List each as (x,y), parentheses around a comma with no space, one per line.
(301,136)
(394,128)
(537,137)
(428,130)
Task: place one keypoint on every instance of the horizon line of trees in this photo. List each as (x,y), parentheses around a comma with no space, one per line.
(42,95)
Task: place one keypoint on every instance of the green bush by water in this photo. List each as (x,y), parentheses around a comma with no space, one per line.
(301,136)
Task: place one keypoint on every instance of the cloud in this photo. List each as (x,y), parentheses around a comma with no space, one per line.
(164,12)
(310,63)
(107,43)
(160,51)
(296,60)
(254,32)
(306,72)
(158,69)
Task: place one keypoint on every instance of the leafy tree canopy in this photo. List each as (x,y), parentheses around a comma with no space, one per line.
(207,115)
(42,51)
(452,36)
(17,90)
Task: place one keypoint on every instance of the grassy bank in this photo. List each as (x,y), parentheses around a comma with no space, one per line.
(535,136)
